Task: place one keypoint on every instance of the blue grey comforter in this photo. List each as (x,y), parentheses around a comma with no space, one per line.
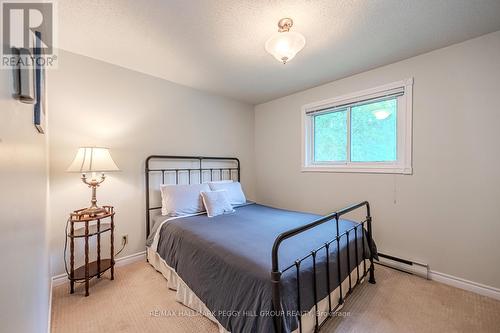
(226,262)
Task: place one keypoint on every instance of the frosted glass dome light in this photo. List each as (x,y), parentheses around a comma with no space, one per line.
(285,44)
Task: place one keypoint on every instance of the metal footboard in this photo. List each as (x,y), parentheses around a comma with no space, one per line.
(276,274)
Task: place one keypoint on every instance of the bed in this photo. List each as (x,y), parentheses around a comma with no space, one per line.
(260,269)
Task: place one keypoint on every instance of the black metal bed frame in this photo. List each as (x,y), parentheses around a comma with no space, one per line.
(200,170)
(276,273)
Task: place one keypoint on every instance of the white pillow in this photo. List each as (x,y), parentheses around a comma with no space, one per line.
(216,203)
(178,200)
(234,192)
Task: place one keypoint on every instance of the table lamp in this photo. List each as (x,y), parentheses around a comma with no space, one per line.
(94,160)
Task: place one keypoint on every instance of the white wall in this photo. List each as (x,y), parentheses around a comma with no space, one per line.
(136,115)
(24,284)
(446,213)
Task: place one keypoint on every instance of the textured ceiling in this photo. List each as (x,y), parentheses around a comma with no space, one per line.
(218,45)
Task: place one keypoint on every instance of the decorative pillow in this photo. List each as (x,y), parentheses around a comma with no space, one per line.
(216,203)
(234,191)
(178,200)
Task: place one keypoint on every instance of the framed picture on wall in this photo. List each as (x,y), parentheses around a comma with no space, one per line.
(23,75)
(40,104)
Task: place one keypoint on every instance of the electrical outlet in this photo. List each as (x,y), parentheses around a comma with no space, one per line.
(124,239)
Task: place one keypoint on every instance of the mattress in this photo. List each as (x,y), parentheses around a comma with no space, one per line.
(225,262)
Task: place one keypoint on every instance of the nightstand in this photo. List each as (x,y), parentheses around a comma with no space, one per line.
(86,226)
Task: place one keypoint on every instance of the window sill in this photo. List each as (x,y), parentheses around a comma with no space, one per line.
(358,169)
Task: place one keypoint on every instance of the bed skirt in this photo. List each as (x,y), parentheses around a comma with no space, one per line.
(187,297)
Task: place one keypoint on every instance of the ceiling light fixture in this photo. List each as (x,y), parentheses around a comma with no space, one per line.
(285,44)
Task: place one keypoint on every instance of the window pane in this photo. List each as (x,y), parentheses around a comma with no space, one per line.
(330,136)
(373,132)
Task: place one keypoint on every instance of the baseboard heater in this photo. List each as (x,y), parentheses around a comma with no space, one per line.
(405,265)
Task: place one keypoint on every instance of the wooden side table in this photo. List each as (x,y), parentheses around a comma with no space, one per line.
(94,268)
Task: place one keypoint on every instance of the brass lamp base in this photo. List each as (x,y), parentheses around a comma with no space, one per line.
(93,184)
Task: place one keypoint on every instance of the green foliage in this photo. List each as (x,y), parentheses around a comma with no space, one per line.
(373,133)
(330,136)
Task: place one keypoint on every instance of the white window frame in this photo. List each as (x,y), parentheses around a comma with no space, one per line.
(403,165)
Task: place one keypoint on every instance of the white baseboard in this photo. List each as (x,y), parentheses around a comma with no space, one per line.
(464,284)
(130,258)
(424,271)
(57,280)
(454,281)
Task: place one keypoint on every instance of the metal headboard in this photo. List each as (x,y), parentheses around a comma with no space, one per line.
(200,168)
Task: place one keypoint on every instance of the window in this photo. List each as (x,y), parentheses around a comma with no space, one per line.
(369,131)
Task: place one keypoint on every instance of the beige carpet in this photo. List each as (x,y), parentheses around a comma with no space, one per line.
(397,303)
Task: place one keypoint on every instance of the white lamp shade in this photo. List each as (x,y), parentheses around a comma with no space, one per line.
(93,159)
(285,45)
